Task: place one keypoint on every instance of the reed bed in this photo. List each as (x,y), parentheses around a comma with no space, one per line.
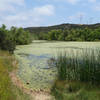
(81,66)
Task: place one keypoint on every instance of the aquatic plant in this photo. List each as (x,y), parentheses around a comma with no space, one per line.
(81,66)
(34,59)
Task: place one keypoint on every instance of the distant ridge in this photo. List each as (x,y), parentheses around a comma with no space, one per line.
(38,30)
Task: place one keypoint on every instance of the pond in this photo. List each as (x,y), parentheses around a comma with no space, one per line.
(34,69)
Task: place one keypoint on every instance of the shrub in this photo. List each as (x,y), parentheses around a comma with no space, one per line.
(15,36)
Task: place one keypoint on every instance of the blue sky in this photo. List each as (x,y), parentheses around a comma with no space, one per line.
(28,13)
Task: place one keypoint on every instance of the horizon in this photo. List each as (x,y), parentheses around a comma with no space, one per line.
(36,13)
(50,25)
(63,24)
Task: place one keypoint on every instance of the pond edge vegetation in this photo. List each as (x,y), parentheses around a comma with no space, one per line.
(78,75)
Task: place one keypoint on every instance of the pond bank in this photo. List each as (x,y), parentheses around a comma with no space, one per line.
(35,95)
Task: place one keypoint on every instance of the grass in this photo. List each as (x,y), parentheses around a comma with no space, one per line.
(7,90)
(63,90)
(82,66)
(78,76)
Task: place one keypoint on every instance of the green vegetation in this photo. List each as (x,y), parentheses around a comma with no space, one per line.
(63,90)
(78,72)
(7,90)
(15,36)
(78,76)
(67,32)
(33,61)
(8,41)
(82,66)
(40,30)
(85,34)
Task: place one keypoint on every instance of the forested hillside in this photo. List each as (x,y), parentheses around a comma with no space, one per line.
(38,30)
(67,32)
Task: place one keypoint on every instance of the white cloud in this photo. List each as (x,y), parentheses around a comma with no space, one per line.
(44,10)
(9,5)
(16,13)
(31,17)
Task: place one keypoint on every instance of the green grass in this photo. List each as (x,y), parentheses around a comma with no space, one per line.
(63,90)
(78,75)
(82,66)
(7,90)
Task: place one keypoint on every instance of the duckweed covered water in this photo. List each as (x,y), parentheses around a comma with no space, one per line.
(34,60)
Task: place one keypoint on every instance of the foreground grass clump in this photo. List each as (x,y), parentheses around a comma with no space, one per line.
(82,66)
(78,76)
(63,90)
(7,90)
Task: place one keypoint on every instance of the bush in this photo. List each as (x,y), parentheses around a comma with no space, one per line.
(15,36)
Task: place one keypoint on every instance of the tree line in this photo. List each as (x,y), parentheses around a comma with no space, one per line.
(9,38)
(85,34)
(12,37)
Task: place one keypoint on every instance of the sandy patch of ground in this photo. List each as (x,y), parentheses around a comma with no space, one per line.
(35,95)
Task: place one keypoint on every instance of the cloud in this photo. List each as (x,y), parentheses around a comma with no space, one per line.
(9,5)
(44,10)
(30,17)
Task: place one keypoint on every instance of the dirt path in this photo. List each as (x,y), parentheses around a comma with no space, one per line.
(35,95)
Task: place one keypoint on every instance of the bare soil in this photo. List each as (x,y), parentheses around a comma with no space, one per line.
(36,95)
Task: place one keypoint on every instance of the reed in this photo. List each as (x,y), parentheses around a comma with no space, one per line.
(81,66)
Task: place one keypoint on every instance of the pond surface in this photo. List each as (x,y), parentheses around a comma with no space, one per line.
(34,67)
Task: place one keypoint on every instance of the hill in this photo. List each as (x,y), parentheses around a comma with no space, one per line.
(38,30)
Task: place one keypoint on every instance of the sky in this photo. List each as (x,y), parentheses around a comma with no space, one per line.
(30,13)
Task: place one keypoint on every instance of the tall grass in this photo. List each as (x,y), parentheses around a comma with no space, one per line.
(76,70)
(81,66)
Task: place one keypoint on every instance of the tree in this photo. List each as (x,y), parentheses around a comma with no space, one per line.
(54,34)
(9,38)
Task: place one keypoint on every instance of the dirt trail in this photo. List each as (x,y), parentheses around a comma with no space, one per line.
(35,95)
